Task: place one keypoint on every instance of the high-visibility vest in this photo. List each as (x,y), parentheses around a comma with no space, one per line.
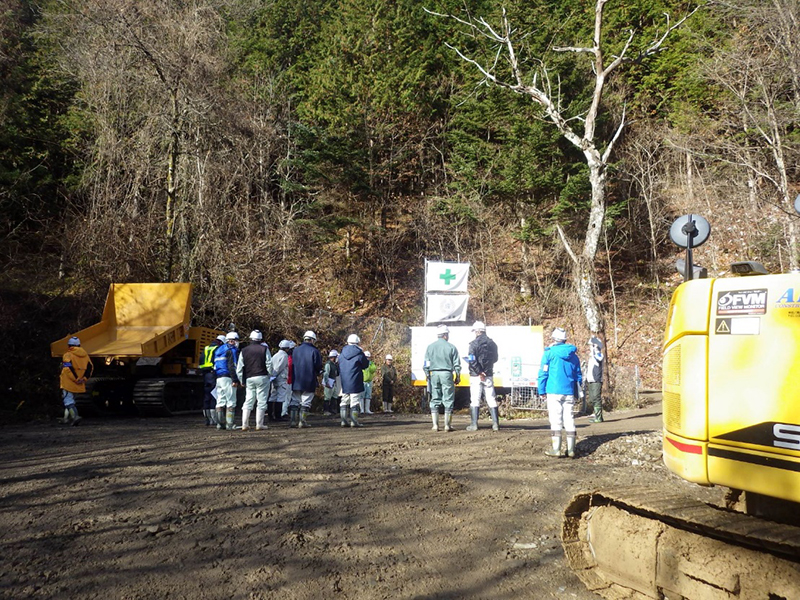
(208,356)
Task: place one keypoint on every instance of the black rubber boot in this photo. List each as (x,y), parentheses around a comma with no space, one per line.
(495,418)
(473,413)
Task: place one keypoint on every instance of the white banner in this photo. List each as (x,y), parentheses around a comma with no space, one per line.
(446,277)
(445,307)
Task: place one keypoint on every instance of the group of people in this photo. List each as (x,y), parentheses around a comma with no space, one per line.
(285,383)
(442,368)
(560,380)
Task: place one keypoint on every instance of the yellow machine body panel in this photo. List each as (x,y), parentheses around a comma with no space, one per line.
(139,320)
(731,385)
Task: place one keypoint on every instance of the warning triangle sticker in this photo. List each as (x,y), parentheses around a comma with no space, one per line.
(723,327)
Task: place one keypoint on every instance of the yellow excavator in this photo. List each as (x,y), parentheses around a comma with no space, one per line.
(144,352)
(731,417)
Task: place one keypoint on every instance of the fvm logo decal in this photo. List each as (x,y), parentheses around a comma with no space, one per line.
(742,302)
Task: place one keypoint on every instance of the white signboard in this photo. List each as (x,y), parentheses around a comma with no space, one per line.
(519,349)
(446,277)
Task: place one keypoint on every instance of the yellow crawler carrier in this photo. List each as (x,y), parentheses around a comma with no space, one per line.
(731,418)
(145,353)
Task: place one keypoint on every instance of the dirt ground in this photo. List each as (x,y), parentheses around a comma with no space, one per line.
(167,508)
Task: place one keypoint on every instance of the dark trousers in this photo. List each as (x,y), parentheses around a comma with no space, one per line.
(595,400)
(387,391)
(209,383)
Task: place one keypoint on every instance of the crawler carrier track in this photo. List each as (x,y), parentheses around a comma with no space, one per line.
(643,543)
(167,396)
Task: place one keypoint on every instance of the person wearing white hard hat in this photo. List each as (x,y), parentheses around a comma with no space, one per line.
(76,369)
(280,386)
(289,379)
(559,377)
(210,380)
(442,367)
(254,369)
(388,380)
(330,383)
(306,367)
(352,362)
(369,375)
(594,378)
(225,359)
(481,358)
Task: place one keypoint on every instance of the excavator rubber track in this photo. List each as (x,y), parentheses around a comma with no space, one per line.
(644,543)
(167,396)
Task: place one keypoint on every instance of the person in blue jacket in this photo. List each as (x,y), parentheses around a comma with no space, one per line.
(352,362)
(306,367)
(560,379)
(225,358)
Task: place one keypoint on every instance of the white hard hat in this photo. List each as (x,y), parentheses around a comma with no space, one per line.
(256,335)
(389,357)
(478,326)
(353,339)
(442,330)
(74,341)
(222,338)
(367,354)
(310,335)
(559,334)
(232,335)
(285,344)
(333,353)
(292,344)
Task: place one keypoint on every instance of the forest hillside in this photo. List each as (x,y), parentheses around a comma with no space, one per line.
(298,162)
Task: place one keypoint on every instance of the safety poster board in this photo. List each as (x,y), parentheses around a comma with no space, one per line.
(519,349)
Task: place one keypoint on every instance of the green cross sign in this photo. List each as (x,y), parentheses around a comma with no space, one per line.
(447,276)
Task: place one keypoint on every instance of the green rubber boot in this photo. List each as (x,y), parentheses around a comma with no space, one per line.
(448,421)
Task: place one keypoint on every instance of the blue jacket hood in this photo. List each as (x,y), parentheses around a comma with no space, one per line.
(352,362)
(560,372)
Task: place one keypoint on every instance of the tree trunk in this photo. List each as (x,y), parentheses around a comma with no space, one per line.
(586,277)
(170,213)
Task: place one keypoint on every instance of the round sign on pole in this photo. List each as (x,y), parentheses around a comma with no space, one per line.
(689,231)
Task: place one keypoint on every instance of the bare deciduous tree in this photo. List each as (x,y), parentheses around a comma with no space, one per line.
(596,149)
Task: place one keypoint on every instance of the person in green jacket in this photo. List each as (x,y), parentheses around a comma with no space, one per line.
(369,375)
(442,363)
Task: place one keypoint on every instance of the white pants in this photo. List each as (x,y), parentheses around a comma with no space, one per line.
(226,393)
(559,409)
(257,389)
(302,399)
(476,386)
(353,400)
(280,391)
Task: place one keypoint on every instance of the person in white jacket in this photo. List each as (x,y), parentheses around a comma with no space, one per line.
(281,390)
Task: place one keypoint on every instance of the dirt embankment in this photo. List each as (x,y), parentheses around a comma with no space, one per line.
(149,508)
